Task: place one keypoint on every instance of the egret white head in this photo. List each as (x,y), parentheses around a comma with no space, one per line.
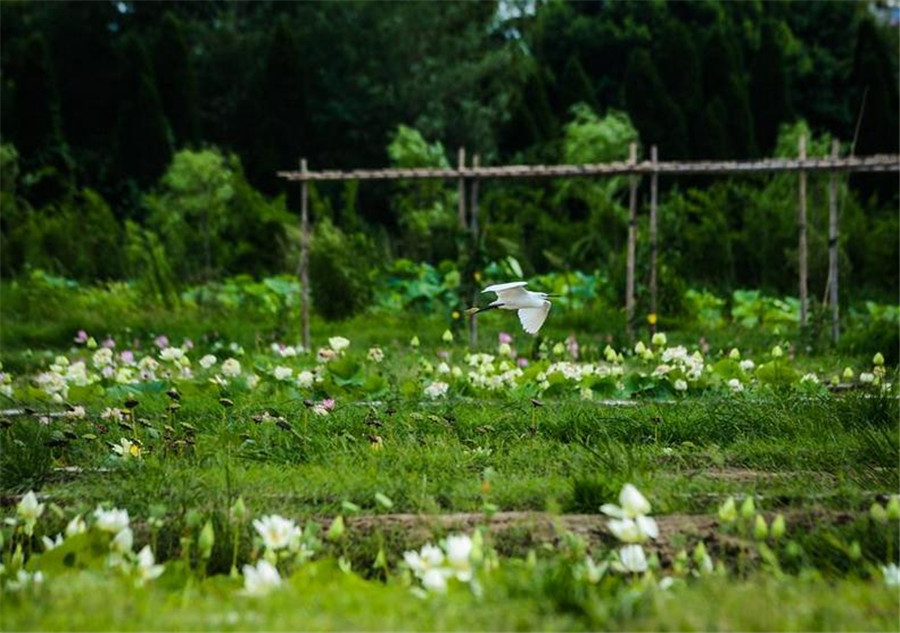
(532,307)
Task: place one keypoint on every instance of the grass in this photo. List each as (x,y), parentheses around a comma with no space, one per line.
(819,459)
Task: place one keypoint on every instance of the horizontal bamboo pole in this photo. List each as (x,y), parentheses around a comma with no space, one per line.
(877,163)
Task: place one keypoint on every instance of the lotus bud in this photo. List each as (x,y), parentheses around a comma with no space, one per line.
(855,551)
(447,336)
(336,531)
(239,510)
(877,513)
(700,553)
(760,529)
(640,348)
(778,527)
(848,374)
(609,354)
(414,341)
(559,349)
(728,511)
(659,339)
(620,359)
(504,349)
(206,541)
(878,359)
(893,508)
(748,508)
(734,354)
(777,352)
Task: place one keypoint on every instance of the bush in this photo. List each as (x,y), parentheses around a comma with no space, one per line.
(342,269)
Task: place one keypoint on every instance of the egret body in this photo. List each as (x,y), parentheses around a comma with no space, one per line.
(532,307)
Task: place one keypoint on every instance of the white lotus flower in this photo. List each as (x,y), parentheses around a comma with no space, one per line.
(436,390)
(24,580)
(29,510)
(276,532)
(171,354)
(262,579)
(459,553)
(231,367)
(632,559)
(747,365)
(635,530)
(891,574)
(282,373)
(305,379)
(375,354)
(207,361)
(76,526)
(50,543)
(146,568)
(633,504)
(124,540)
(111,520)
(338,343)
(681,385)
(735,385)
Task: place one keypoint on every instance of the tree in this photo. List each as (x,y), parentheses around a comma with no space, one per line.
(37,128)
(769,90)
(176,81)
(655,114)
(723,77)
(143,143)
(575,86)
(678,63)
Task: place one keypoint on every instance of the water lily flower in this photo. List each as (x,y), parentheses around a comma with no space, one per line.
(633,504)
(147,569)
(276,531)
(111,520)
(338,343)
(631,559)
(207,361)
(262,579)
(231,367)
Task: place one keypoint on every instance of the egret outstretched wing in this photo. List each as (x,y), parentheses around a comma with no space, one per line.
(510,293)
(533,318)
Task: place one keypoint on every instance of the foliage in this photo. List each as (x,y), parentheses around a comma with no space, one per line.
(341,271)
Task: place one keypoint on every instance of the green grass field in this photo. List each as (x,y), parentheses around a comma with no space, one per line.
(371,465)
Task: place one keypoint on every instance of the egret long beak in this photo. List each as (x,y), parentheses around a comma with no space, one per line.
(473,311)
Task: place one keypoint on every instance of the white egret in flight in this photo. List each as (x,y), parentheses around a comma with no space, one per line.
(533,307)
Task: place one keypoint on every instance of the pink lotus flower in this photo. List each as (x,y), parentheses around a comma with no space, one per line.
(82,337)
(127,357)
(505,338)
(162,341)
(443,354)
(109,342)
(572,346)
(522,362)
(328,403)
(187,344)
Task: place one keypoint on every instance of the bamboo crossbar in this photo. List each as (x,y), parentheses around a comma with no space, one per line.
(877,163)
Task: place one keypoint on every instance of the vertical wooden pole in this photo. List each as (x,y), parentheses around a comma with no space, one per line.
(833,242)
(462,189)
(473,223)
(632,242)
(653,241)
(304,257)
(801,225)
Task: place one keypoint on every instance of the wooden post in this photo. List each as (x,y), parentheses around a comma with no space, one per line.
(632,242)
(304,258)
(801,225)
(653,242)
(833,242)
(473,223)
(462,189)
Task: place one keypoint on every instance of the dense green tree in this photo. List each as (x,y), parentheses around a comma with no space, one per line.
(143,140)
(769,90)
(655,114)
(575,86)
(37,129)
(176,80)
(723,77)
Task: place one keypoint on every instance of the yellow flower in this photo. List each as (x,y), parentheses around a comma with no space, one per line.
(477,276)
(651,318)
(456,314)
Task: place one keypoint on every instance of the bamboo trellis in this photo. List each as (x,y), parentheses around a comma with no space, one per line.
(653,167)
